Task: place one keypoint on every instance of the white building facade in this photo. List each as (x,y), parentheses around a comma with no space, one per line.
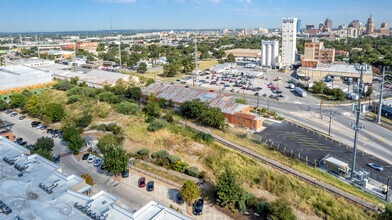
(269,53)
(289,41)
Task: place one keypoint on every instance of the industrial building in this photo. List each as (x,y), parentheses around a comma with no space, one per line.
(235,113)
(17,78)
(93,78)
(269,53)
(239,52)
(289,41)
(33,187)
(338,72)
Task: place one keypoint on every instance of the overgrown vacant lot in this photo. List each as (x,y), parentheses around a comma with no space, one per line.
(265,182)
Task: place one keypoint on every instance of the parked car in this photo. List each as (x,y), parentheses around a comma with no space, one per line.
(125,173)
(35,124)
(85,156)
(180,200)
(265,94)
(56,159)
(375,166)
(256,93)
(19,140)
(22,117)
(186,86)
(150,186)
(30,146)
(232,90)
(43,127)
(23,143)
(49,131)
(142,182)
(14,114)
(198,207)
(7,111)
(91,159)
(98,162)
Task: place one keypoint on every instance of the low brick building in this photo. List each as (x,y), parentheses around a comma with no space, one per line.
(235,113)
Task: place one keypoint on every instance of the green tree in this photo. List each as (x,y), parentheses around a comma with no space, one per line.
(17,100)
(45,143)
(318,87)
(55,111)
(43,152)
(101,47)
(150,81)
(241,101)
(70,131)
(116,158)
(230,58)
(171,69)
(152,109)
(75,143)
(162,102)
(189,191)
(213,117)
(127,108)
(227,187)
(142,68)
(134,93)
(108,139)
(193,109)
(74,80)
(3,105)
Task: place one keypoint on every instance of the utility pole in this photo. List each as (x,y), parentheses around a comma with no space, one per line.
(194,75)
(119,50)
(258,96)
(268,102)
(362,68)
(380,101)
(321,105)
(330,122)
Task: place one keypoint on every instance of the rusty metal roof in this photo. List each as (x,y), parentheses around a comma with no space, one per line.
(180,95)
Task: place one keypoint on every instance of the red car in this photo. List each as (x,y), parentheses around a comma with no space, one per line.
(273,89)
(211,91)
(142,182)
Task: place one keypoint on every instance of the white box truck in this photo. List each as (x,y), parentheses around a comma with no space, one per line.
(300,92)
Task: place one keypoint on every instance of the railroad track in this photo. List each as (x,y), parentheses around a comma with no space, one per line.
(289,170)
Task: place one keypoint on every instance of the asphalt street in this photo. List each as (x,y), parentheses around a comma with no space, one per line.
(310,146)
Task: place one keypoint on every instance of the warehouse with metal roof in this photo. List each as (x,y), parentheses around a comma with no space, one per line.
(17,76)
(235,113)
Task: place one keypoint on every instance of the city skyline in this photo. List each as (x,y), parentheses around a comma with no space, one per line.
(90,15)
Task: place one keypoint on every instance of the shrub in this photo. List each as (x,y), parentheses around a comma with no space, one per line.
(73,99)
(202,174)
(261,207)
(109,97)
(193,171)
(127,108)
(161,102)
(75,91)
(241,101)
(106,140)
(110,126)
(55,111)
(263,110)
(3,105)
(156,125)
(161,161)
(84,121)
(208,138)
(101,127)
(251,200)
(152,109)
(169,117)
(173,159)
(62,85)
(190,191)
(150,119)
(160,154)
(281,209)
(143,152)
(94,126)
(117,130)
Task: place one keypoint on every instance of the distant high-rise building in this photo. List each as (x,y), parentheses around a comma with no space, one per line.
(289,41)
(321,26)
(328,23)
(354,24)
(299,25)
(370,25)
(269,53)
(341,27)
(309,26)
(384,25)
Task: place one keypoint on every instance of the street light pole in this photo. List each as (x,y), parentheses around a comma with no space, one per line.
(258,96)
(268,102)
(363,68)
(330,122)
(380,101)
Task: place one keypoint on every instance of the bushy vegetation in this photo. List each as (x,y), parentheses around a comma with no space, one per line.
(197,109)
(156,125)
(190,191)
(127,108)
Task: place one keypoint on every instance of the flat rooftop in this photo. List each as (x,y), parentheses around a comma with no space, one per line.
(33,187)
(14,76)
(340,68)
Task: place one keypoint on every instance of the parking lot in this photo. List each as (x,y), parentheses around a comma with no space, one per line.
(125,188)
(310,146)
(242,80)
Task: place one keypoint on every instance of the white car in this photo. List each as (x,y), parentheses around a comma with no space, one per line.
(91,159)
(98,162)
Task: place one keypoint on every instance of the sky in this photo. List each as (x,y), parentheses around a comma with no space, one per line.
(89,15)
